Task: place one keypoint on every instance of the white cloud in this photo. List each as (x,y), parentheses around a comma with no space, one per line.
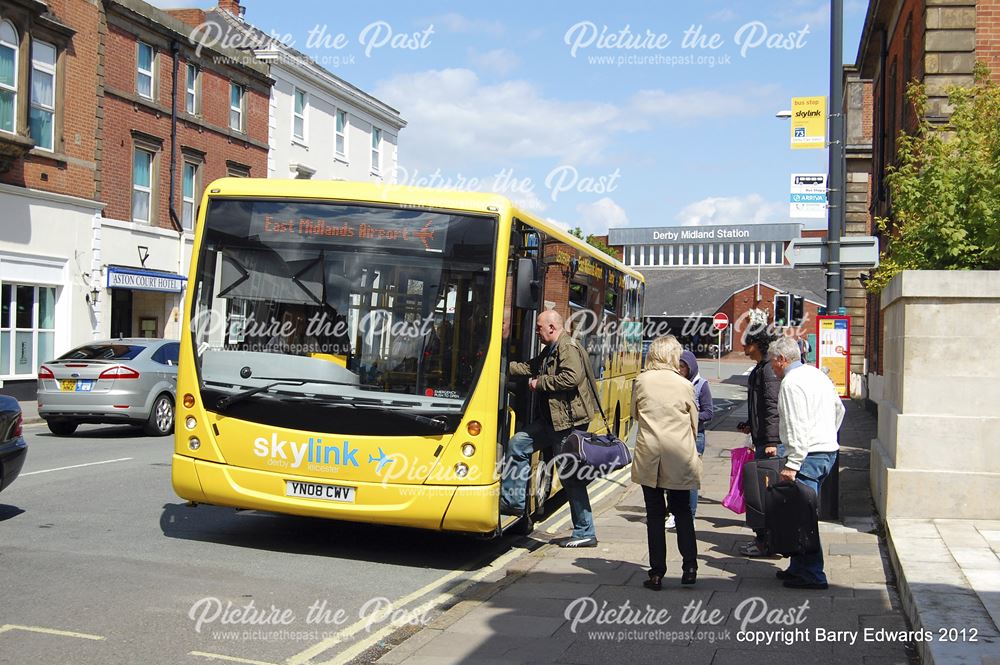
(723,15)
(749,209)
(694,104)
(455,22)
(458,121)
(498,61)
(599,216)
(455,119)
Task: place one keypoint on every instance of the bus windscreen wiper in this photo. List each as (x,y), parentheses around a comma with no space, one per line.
(437,424)
(227,401)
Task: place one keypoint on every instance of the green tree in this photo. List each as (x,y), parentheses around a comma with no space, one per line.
(945,191)
(593,241)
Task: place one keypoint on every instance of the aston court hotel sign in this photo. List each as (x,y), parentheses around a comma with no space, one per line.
(144,280)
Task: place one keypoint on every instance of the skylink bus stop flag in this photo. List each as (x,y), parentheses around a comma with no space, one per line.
(808,122)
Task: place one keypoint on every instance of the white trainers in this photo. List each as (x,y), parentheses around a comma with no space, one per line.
(671,523)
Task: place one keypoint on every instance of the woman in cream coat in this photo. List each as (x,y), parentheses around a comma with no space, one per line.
(666,459)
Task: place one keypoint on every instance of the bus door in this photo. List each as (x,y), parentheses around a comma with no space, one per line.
(520,340)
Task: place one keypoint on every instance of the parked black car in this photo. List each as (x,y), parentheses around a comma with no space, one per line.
(13,448)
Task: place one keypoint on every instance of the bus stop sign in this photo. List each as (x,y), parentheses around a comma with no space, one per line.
(720,322)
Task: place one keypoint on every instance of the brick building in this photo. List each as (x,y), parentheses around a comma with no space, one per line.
(321,126)
(937,43)
(858,218)
(48,181)
(173,120)
(94,244)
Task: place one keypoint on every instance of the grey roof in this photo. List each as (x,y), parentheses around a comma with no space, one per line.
(685,291)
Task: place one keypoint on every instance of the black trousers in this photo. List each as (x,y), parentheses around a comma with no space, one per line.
(679,502)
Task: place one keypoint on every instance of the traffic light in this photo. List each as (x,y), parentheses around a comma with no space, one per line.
(798,310)
(782,308)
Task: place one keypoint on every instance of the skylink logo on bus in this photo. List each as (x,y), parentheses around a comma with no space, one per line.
(314,452)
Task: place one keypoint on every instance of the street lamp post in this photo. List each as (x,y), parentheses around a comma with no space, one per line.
(836,177)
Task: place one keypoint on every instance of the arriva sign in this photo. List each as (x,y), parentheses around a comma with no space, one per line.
(144,280)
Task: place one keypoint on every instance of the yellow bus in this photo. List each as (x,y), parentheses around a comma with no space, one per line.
(345,346)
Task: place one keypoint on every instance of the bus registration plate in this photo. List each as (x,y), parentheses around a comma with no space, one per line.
(319,491)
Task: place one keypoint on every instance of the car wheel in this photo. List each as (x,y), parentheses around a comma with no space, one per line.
(61,427)
(161,417)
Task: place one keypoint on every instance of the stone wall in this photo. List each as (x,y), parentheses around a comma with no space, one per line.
(939,411)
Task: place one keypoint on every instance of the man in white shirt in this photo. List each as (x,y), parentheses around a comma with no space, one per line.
(809,415)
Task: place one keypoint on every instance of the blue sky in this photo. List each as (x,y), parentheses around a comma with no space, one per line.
(494,92)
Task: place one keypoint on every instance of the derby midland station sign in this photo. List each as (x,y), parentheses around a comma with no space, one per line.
(704,234)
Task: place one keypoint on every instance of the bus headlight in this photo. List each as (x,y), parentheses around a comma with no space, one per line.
(188,400)
(194,443)
(474,428)
(461,470)
(468,449)
(190,422)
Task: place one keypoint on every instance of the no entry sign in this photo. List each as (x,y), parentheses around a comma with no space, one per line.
(720,322)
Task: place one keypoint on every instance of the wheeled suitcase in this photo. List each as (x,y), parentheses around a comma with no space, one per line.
(758,475)
(791,519)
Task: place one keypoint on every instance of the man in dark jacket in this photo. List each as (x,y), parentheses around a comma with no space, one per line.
(559,376)
(762,423)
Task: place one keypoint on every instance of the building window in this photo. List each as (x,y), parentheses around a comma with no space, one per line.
(191,90)
(41,117)
(237,170)
(189,188)
(236,107)
(341,133)
(142,185)
(299,115)
(27,328)
(144,71)
(376,150)
(8,77)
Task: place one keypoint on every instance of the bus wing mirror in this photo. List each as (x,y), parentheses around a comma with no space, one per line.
(526,296)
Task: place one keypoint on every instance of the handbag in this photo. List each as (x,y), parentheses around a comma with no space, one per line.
(587,455)
(735,500)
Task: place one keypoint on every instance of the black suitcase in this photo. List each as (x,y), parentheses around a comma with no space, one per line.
(758,475)
(791,519)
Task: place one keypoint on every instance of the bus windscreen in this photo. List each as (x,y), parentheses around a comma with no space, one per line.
(343,303)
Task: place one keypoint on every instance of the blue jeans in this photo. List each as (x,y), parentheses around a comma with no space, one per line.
(814,470)
(699,442)
(538,436)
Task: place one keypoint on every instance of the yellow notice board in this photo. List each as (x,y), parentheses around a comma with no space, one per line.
(833,353)
(808,122)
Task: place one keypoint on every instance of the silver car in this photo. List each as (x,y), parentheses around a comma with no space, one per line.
(130,381)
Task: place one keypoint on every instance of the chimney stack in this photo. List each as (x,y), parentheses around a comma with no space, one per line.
(232,6)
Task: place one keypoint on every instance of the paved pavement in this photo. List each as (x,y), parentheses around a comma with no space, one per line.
(589,606)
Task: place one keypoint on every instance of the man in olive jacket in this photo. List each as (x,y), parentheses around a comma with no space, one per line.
(559,375)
